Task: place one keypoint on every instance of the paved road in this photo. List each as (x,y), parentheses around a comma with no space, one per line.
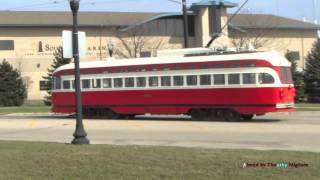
(286,131)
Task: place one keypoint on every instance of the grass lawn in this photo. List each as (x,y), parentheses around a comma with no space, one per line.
(308,106)
(28,107)
(25,160)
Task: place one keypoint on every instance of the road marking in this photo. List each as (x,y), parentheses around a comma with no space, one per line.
(32,123)
(135,124)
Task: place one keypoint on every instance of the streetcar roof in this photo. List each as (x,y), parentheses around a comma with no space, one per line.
(272,56)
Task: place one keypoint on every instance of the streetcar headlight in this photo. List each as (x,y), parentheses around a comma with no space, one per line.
(285,105)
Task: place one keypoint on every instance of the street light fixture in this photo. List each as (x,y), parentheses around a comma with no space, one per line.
(80,135)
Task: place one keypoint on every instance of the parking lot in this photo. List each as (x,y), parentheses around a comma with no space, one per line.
(283,131)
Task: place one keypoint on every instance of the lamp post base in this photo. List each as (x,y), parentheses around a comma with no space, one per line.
(80,140)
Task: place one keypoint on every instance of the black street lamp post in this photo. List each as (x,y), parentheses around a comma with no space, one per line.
(80,135)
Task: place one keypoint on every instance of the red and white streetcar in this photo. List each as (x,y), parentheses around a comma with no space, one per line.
(200,82)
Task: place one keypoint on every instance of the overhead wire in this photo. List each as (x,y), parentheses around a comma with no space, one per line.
(36,5)
(57,3)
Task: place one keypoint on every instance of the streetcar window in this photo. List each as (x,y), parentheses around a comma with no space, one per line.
(58,83)
(165,81)
(289,75)
(73,84)
(205,80)
(106,83)
(117,83)
(66,84)
(284,74)
(153,81)
(96,83)
(219,79)
(203,66)
(234,78)
(249,78)
(85,83)
(192,80)
(141,82)
(218,66)
(265,78)
(129,82)
(178,80)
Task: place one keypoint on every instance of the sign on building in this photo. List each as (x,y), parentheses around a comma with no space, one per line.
(67,44)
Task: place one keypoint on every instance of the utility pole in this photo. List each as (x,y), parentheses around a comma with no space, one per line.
(185,24)
(80,135)
(185,21)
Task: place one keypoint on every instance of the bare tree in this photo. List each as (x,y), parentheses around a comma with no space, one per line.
(256,32)
(133,42)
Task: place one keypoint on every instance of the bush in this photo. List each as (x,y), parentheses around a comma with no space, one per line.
(312,73)
(57,62)
(13,91)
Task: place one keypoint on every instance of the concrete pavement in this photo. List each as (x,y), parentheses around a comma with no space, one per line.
(285,131)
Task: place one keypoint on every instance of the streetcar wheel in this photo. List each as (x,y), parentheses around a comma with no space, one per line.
(127,116)
(131,116)
(231,115)
(87,113)
(212,115)
(247,117)
(220,115)
(198,114)
(112,115)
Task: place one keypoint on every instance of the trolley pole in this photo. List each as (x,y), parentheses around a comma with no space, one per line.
(80,135)
(185,24)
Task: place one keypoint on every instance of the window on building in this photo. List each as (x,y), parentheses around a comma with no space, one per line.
(293,55)
(145,54)
(106,83)
(191,26)
(219,79)
(44,85)
(215,20)
(96,83)
(117,83)
(249,78)
(129,82)
(192,80)
(178,80)
(234,79)
(165,81)
(141,82)
(265,78)
(6,45)
(85,83)
(153,81)
(205,80)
